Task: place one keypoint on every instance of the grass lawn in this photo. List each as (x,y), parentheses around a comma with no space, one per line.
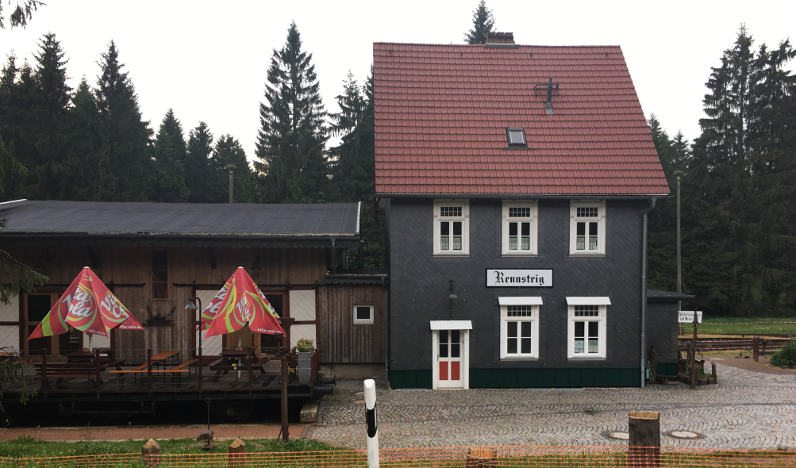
(28,447)
(744,326)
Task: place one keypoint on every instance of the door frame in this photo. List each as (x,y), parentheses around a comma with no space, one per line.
(464,327)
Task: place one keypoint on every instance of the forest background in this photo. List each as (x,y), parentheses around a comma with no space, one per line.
(738,182)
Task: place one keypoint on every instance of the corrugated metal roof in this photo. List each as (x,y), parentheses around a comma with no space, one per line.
(190,220)
(442,112)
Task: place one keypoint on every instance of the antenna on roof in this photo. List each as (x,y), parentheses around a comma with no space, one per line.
(551,89)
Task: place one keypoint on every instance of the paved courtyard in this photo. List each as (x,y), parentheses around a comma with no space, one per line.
(745,410)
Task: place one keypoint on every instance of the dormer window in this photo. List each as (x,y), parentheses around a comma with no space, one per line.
(516,136)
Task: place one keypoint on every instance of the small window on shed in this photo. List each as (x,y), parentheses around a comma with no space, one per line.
(516,136)
(363,315)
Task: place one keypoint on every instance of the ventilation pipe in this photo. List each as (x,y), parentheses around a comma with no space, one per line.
(231,168)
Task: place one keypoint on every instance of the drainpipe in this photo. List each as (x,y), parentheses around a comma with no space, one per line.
(644,292)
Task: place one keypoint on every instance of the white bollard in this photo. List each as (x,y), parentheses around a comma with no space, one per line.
(370,419)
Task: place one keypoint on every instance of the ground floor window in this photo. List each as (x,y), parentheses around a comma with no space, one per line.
(586,327)
(519,327)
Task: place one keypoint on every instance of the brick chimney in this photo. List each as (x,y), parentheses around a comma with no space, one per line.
(502,38)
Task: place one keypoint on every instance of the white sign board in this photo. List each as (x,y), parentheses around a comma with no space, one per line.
(687,316)
(519,278)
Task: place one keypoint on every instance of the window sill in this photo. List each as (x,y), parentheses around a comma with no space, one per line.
(521,255)
(587,255)
(519,358)
(363,323)
(442,255)
(586,358)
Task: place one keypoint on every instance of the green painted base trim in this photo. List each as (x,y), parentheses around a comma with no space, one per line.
(528,378)
(554,378)
(667,369)
(410,378)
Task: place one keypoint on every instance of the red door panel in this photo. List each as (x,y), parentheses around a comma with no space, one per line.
(455,370)
(443,370)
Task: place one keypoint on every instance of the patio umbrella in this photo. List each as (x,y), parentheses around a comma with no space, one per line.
(86,305)
(239,303)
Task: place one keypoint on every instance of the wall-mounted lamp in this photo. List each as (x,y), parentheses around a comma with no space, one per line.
(195,304)
(451,294)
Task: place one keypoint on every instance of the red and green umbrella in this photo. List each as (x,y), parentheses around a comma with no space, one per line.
(239,303)
(86,305)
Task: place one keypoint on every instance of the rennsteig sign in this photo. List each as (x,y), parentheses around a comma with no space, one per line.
(519,278)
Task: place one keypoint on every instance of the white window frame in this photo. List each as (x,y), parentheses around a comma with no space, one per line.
(602,304)
(573,227)
(358,321)
(533,318)
(464,219)
(532,219)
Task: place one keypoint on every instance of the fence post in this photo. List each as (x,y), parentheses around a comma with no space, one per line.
(756,348)
(645,438)
(236,453)
(372,426)
(150,452)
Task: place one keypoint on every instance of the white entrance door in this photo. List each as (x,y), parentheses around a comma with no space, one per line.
(449,361)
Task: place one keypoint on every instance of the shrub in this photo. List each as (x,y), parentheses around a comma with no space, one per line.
(304,344)
(785,357)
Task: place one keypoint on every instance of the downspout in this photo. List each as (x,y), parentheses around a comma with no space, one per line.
(643,340)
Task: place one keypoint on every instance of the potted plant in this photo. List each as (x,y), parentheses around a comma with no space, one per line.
(304,350)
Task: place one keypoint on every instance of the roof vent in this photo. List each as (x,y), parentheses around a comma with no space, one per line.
(500,39)
(549,89)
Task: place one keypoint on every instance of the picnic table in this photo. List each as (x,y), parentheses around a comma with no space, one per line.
(156,360)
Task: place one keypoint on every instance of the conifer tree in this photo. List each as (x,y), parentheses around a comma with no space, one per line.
(168,183)
(125,136)
(228,150)
(200,176)
(292,135)
(483,22)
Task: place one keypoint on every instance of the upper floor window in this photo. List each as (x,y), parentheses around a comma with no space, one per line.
(451,227)
(587,228)
(519,228)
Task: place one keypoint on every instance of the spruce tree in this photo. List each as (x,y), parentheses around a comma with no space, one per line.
(483,22)
(168,183)
(125,136)
(228,150)
(199,173)
(292,135)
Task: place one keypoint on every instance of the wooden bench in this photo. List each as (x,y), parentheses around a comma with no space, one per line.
(60,371)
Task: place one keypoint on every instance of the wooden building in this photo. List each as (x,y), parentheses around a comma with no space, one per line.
(155,257)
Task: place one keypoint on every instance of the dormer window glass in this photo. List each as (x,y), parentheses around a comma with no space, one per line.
(516,137)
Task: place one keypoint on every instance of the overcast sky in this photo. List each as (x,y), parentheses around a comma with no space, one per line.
(208,59)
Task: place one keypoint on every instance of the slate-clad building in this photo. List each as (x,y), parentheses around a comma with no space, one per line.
(515,181)
(156,256)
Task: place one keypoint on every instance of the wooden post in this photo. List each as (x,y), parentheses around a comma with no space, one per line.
(44,384)
(285,425)
(200,363)
(149,369)
(236,453)
(249,369)
(714,378)
(150,453)
(645,438)
(756,348)
(97,368)
(478,457)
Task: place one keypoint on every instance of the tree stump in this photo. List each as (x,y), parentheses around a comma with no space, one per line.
(150,453)
(481,458)
(645,439)
(236,453)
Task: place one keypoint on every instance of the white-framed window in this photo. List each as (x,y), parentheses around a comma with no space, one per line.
(451,227)
(587,228)
(519,227)
(363,315)
(586,327)
(519,327)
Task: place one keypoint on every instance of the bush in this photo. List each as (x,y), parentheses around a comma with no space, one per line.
(785,357)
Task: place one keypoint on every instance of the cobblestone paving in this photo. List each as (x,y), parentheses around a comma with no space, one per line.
(745,410)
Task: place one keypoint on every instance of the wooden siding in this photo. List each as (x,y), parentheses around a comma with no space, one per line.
(340,340)
(120,267)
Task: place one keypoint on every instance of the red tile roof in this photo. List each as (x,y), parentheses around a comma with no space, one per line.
(442,113)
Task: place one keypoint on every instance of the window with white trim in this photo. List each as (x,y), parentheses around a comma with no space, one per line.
(363,315)
(586,327)
(519,228)
(451,227)
(587,228)
(519,330)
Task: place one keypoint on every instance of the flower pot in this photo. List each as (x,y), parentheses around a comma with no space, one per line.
(304,366)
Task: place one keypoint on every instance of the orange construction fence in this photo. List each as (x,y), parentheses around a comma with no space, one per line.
(486,456)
